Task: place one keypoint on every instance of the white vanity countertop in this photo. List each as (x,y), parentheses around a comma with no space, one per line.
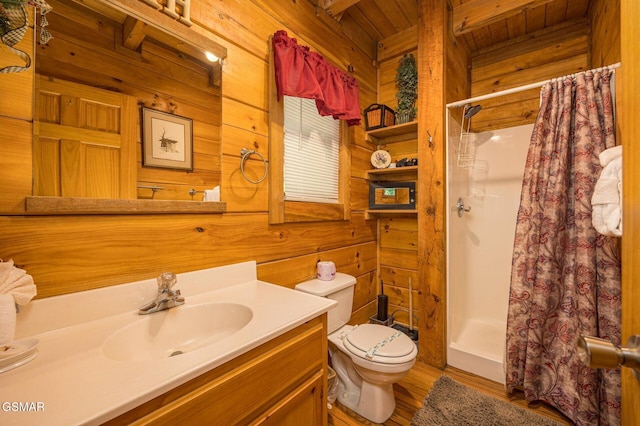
(72,382)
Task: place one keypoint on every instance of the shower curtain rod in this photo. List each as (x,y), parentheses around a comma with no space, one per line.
(518,89)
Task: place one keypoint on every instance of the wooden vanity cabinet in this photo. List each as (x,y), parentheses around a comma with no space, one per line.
(281,382)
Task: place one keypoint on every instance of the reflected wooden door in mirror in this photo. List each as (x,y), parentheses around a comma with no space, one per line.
(85,141)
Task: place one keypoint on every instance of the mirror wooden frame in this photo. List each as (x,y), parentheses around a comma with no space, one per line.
(181,37)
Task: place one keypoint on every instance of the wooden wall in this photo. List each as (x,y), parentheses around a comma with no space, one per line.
(398,236)
(604,17)
(550,53)
(566,48)
(79,252)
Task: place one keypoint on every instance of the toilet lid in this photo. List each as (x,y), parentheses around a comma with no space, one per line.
(380,343)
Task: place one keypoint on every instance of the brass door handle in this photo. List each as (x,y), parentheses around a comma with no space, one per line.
(600,353)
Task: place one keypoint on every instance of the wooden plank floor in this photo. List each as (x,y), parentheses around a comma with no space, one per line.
(411,390)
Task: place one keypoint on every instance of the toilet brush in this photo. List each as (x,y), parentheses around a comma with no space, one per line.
(383,304)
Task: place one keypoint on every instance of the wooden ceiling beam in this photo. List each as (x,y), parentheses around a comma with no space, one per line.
(476,14)
(336,8)
(133,33)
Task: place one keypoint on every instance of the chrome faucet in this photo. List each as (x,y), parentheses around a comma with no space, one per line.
(166,298)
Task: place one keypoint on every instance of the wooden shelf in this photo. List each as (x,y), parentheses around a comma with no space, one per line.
(370,214)
(393,134)
(40,205)
(396,172)
(387,135)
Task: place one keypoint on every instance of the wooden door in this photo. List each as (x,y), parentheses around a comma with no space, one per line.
(84,141)
(630,128)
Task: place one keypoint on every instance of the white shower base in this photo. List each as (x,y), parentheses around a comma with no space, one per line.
(479,349)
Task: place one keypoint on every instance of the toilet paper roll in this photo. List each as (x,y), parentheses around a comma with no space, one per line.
(326,271)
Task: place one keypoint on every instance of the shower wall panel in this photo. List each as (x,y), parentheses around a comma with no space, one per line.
(480,246)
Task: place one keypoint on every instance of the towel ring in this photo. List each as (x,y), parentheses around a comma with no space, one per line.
(246,153)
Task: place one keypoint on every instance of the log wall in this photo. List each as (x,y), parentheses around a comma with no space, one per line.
(567,48)
(398,236)
(550,53)
(604,17)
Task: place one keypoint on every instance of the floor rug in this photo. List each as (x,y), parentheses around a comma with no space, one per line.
(449,403)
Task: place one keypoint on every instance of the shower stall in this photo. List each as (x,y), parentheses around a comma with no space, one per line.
(484,175)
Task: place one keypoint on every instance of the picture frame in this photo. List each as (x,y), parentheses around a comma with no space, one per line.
(167,140)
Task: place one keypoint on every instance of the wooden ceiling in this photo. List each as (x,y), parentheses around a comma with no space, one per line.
(482,23)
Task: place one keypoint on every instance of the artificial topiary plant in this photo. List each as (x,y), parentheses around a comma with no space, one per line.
(407,84)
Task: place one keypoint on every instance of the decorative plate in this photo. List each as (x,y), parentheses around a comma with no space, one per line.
(381,159)
(18,353)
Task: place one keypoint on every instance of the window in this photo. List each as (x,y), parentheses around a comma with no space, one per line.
(306,174)
(311,153)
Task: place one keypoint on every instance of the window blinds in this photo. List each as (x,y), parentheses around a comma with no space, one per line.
(311,153)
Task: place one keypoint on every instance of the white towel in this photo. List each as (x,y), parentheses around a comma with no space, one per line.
(607,195)
(16,287)
(7,319)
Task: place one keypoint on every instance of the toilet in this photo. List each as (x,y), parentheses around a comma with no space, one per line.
(367,358)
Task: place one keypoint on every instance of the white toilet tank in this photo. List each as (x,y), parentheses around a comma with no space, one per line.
(341,290)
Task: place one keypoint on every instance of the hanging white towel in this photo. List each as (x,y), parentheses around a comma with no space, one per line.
(607,195)
(16,287)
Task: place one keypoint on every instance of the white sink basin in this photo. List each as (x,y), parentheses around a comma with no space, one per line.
(176,331)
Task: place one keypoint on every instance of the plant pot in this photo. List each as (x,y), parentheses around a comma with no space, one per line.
(404,117)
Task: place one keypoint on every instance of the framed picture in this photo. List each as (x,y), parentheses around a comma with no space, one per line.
(167,140)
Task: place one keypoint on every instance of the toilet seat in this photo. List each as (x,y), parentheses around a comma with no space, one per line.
(380,344)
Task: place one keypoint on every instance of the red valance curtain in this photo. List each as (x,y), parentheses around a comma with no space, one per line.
(305,74)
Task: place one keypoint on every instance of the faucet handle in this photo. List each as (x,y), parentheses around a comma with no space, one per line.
(166,280)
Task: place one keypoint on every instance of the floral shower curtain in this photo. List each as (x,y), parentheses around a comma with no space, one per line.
(565,277)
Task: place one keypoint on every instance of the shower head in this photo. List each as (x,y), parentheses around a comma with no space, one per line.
(470,110)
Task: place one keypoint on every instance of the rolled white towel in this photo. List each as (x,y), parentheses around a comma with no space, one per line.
(16,287)
(608,155)
(607,195)
(7,319)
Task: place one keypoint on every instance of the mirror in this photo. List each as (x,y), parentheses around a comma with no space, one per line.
(107,61)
